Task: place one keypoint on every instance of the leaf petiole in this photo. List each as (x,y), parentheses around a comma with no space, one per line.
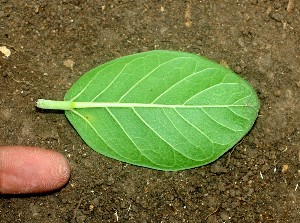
(56,105)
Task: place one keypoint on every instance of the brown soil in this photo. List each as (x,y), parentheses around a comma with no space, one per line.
(257,181)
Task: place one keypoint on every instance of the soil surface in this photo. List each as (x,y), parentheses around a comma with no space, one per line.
(52,43)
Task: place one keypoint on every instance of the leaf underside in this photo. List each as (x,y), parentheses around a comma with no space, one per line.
(186,110)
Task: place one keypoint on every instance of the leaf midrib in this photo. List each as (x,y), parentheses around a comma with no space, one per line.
(142,105)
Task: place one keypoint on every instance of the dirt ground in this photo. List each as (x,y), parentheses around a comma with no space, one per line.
(257,181)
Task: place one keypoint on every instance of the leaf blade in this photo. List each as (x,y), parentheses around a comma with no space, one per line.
(177,90)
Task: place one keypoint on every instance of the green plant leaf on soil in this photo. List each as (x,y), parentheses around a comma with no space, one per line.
(160,109)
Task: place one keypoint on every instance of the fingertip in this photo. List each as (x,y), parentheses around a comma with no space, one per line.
(25,170)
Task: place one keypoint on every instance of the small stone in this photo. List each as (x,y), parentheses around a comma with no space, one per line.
(69,63)
(241,42)
(285,168)
(5,114)
(277,93)
(224,63)
(290,5)
(276,16)
(254,2)
(5,51)
(224,215)
(238,69)
(218,169)
(91,207)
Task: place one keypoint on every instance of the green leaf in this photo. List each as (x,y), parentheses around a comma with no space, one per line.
(160,109)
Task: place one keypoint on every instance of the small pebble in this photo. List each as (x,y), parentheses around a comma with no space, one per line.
(277,93)
(285,168)
(69,63)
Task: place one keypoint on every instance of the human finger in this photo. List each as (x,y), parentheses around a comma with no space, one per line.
(25,170)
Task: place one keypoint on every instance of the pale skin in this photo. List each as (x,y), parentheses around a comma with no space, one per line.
(29,170)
